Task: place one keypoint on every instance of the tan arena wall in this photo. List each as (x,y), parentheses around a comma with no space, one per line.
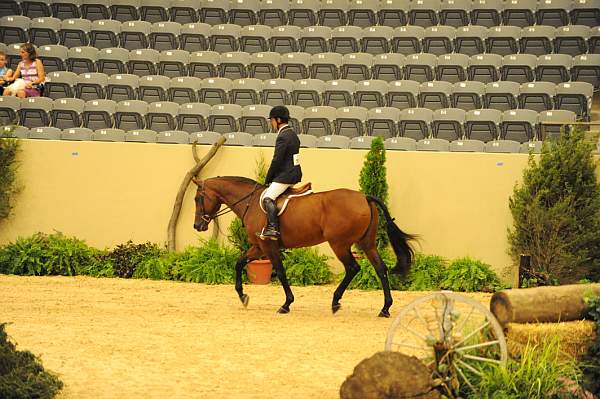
(108,193)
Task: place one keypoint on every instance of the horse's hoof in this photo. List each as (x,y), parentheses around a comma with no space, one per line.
(245,299)
(336,307)
(384,313)
(283,310)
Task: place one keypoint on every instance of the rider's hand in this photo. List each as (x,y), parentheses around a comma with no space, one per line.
(28,85)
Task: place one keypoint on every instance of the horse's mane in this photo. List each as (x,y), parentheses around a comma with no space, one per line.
(239,179)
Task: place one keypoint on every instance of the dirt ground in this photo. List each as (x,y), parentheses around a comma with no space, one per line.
(114,338)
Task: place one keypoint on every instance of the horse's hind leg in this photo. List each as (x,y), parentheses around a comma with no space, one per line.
(344,254)
(382,272)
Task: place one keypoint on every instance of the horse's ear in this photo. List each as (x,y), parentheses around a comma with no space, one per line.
(196,181)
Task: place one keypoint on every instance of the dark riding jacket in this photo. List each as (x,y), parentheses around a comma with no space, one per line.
(285,166)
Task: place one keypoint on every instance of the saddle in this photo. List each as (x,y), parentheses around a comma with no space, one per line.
(291,192)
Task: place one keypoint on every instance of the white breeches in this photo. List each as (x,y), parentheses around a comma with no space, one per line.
(275,190)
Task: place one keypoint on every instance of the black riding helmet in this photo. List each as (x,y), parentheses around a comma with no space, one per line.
(281,112)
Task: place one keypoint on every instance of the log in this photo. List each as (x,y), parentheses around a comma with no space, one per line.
(542,304)
(200,163)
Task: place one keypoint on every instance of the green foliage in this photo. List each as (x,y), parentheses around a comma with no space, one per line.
(126,257)
(373,182)
(261,169)
(8,152)
(538,373)
(367,278)
(43,254)
(591,360)
(237,235)
(556,212)
(22,375)
(154,268)
(306,266)
(210,263)
(468,275)
(426,273)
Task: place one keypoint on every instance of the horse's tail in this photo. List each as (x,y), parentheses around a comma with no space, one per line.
(398,240)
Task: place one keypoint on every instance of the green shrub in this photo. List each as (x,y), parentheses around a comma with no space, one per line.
(8,167)
(22,375)
(43,254)
(306,266)
(210,263)
(367,279)
(237,236)
(125,258)
(154,268)
(469,275)
(556,212)
(426,273)
(591,360)
(540,372)
(373,182)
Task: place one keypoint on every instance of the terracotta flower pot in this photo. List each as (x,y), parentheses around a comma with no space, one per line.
(259,271)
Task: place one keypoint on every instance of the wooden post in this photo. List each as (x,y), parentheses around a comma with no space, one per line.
(200,163)
(542,304)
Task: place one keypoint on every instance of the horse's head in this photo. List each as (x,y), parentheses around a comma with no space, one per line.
(207,205)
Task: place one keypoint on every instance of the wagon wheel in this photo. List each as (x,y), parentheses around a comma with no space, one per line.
(454,335)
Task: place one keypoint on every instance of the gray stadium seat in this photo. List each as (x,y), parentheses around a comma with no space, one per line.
(586,68)
(318,120)
(90,86)
(518,125)
(53,56)
(141,136)
(77,134)
(501,95)
(224,37)
(452,67)
(264,65)
(204,137)
(66,113)
(245,91)
(74,32)
(95,9)
(164,35)
(350,121)
(363,13)
(537,40)
(185,89)
(503,40)
(112,60)
(185,11)
(415,122)
(332,13)
(254,119)
(554,116)
(455,12)
(130,114)
(424,13)
(203,64)
(60,84)
(553,68)
(134,34)
(98,114)
(470,40)
(382,122)
(486,12)
(339,93)
(335,142)
(173,137)
(223,118)
(572,39)
(273,12)
(356,66)
(154,10)
(44,31)
(45,133)
(518,67)
(371,93)
(433,144)
(9,108)
(143,62)
(82,59)
(295,66)
(439,40)
(303,12)
(194,36)
(325,66)
(467,95)
(125,10)
(376,39)
(435,95)
(553,12)
(466,145)
(255,38)
(420,67)
(534,147)
(35,112)
(315,39)
(483,124)
(361,142)
(13,29)
(576,97)
(537,96)
(122,87)
(503,146)
(519,12)
(485,68)
(104,33)
(193,117)
(214,90)
(345,39)
(448,123)
(233,65)
(585,12)
(388,67)
(238,139)
(264,140)
(153,88)
(276,91)
(392,13)
(108,135)
(243,12)
(20,132)
(407,39)
(401,143)
(284,39)
(307,92)
(162,116)
(307,140)
(403,94)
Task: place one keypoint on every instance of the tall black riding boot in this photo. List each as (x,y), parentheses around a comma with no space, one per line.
(272,229)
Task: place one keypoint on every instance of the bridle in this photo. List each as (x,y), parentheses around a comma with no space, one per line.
(206,218)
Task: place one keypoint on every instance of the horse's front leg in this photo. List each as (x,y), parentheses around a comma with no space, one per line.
(275,257)
(239,266)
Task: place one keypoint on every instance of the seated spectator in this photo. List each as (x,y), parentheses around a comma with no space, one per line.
(29,76)
(5,71)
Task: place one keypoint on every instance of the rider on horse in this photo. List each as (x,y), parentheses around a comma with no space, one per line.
(285,168)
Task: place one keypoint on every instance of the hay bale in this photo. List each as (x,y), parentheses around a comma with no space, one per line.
(574,336)
(389,375)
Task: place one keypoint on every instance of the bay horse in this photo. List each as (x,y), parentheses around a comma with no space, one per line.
(341,217)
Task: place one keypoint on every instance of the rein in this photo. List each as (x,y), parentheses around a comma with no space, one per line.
(229,208)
